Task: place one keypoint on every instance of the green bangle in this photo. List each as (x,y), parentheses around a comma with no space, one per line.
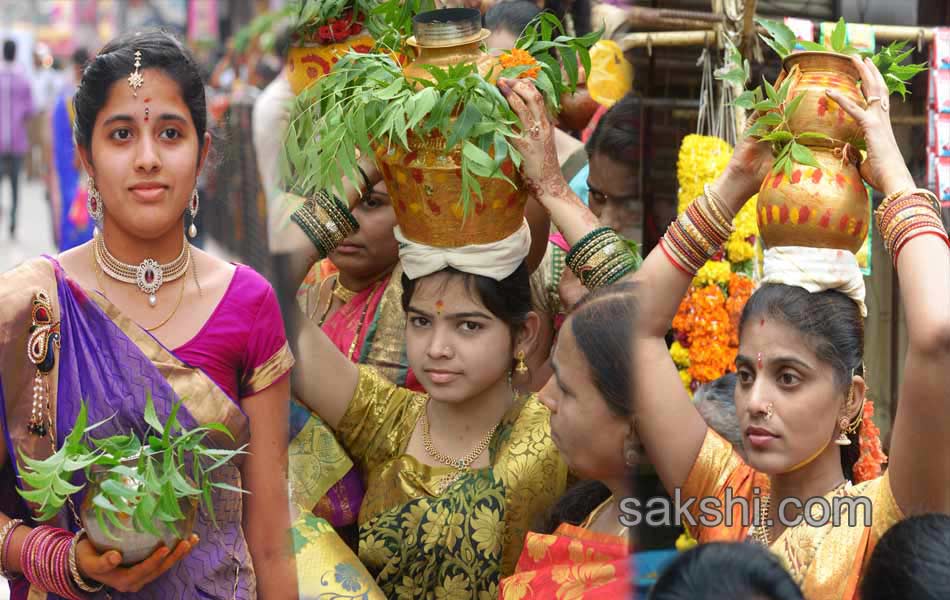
(581,245)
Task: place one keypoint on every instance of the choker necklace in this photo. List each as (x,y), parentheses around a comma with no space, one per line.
(345,294)
(149,275)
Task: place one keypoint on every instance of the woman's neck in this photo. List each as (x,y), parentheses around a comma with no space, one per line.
(133,251)
(358,283)
(815,479)
(474,415)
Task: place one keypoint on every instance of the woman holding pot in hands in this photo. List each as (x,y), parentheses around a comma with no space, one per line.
(801,395)
(139,312)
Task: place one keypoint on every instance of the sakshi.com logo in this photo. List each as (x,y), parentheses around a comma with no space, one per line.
(741,511)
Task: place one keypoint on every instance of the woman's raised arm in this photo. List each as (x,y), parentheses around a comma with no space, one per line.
(919,465)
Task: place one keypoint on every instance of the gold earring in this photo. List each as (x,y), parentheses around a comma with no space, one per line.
(843,436)
(521,367)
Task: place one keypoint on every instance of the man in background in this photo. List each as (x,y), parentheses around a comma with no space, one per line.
(16,108)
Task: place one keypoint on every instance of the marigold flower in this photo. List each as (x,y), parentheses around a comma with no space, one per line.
(517,58)
(680,355)
(868,466)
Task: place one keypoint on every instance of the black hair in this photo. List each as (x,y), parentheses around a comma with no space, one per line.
(617,134)
(80,57)
(911,561)
(160,50)
(9,50)
(574,506)
(282,43)
(509,299)
(511,16)
(831,323)
(725,570)
(602,324)
(580,13)
(716,402)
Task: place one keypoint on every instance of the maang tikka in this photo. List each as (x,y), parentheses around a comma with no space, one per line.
(135,77)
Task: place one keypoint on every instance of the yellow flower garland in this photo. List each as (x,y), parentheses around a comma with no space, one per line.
(701,160)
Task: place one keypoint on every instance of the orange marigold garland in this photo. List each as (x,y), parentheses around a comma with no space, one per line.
(706,324)
(518,58)
(872,457)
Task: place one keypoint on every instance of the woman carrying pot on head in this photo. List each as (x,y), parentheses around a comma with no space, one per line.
(138,311)
(456,475)
(802,389)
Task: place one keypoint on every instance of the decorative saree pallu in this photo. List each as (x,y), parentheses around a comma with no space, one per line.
(109,362)
(572,563)
(433,531)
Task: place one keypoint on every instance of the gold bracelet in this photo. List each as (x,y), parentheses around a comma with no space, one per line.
(6,532)
(74,566)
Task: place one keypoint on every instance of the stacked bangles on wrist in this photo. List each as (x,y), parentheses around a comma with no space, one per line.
(600,258)
(47,560)
(326,221)
(698,232)
(907,214)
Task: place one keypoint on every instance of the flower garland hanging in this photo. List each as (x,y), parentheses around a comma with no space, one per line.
(706,325)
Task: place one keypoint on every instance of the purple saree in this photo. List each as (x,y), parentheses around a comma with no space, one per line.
(111,363)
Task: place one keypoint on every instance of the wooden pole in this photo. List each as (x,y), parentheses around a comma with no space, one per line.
(668,38)
(705,37)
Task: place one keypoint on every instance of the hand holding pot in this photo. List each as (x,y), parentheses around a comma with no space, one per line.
(884,168)
(105,568)
(540,166)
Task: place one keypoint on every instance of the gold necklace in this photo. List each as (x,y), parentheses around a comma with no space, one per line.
(181,295)
(597,512)
(345,294)
(761,531)
(149,275)
(459,464)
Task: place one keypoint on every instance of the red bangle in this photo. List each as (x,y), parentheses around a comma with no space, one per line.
(673,260)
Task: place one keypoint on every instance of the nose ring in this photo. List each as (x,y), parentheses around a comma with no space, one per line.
(768,411)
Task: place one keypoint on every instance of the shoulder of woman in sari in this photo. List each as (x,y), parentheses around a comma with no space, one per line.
(379,419)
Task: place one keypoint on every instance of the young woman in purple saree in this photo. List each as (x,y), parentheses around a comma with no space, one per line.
(204,332)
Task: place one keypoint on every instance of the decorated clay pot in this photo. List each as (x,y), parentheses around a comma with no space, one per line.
(308,62)
(812,73)
(134,546)
(819,208)
(425,184)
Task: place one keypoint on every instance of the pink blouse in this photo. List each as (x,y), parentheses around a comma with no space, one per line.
(242,346)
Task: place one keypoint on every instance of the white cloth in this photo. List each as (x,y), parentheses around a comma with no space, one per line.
(269,122)
(816,270)
(497,260)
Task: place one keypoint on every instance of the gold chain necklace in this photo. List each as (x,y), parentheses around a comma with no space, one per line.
(342,292)
(149,275)
(760,532)
(459,464)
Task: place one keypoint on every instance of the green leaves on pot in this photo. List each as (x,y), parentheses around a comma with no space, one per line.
(896,75)
(888,60)
(139,478)
(366,101)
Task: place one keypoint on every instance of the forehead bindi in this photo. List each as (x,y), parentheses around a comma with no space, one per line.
(159,95)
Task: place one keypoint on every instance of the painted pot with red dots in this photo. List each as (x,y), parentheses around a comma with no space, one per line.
(425,183)
(811,74)
(308,61)
(825,207)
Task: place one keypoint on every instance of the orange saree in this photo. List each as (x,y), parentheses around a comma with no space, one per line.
(827,560)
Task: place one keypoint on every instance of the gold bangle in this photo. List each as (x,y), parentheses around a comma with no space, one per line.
(74,566)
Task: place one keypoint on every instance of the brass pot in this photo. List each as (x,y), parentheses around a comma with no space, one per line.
(135,546)
(308,62)
(819,208)
(425,184)
(446,38)
(812,73)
